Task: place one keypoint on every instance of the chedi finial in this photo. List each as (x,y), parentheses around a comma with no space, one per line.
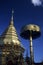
(12,18)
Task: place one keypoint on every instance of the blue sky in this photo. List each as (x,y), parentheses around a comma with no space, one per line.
(25,12)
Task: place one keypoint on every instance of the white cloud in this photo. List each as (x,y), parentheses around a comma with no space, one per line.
(37,2)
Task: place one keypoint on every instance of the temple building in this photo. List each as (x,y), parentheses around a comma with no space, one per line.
(11,49)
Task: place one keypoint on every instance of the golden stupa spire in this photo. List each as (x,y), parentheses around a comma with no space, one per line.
(12,17)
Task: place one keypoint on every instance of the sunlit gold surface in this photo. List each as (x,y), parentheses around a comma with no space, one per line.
(9,42)
(31,28)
